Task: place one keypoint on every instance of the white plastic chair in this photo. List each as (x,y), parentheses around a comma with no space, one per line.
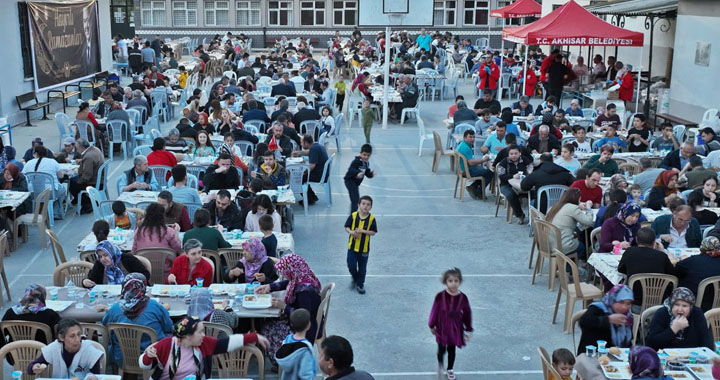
(297,173)
(82,127)
(230,74)
(589,113)
(423,135)
(679,132)
(101,182)
(415,111)
(258,124)
(335,130)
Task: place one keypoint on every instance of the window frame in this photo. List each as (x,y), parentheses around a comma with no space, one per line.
(250,10)
(343,10)
(508,21)
(474,9)
(316,12)
(152,11)
(214,10)
(283,6)
(185,10)
(445,9)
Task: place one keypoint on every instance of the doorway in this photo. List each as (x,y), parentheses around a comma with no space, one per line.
(122,18)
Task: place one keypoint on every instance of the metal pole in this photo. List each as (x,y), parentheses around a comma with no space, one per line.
(637,96)
(502,46)
(646,109)
(386,74)
(525,70)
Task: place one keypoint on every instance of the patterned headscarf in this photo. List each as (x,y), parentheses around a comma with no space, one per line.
(679,294)
(296,270)
(621,335)
(663,179)
(33,301)
(225,148)
(113,272)
(710,246)
(644,362)
(258,257)
(183,328)
(201,305)
(616,180)
(626,210)
(133,297)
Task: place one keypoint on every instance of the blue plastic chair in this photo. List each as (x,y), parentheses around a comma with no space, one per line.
(118,132)
(37,183)
(142,150)
(325,179)
(161,174)
(64,129)
(192,181)
(101,182)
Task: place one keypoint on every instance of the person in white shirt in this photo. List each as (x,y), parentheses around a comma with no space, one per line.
(582,145)
(598,65)
(43,164)
(581,68)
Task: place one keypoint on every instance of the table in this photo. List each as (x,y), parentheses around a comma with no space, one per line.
(69,168)
(284,198)
(208,161)
(12,199)
(177,306)
(607,263)
(137,196)
(377,93)
(589,367)
(675,120)
(649,213)
(124,240)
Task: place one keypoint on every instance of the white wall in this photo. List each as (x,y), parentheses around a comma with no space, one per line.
(11,75)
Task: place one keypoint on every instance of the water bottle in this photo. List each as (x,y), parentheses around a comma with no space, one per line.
(627,175)
(17,375)
(93,296)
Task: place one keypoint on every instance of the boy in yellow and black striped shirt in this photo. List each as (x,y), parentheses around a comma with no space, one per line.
(360,225)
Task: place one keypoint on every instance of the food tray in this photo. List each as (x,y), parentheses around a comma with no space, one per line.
(257,301)
(679,375)
(107,290)
(167,290)
(58,306)
(683,354)
(623,355)
(701,371)
(105,377)
(218,304)
(229,289)
(616,370)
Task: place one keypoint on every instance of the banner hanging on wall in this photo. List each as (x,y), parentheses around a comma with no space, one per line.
(65,42)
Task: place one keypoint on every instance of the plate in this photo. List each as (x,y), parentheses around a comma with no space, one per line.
(106,377)
(623,355)
(701,371)
(218,289)
(58,306)
(167,290)
(257,301)
(616,370)
(680,375)
(107,290)
(218,304)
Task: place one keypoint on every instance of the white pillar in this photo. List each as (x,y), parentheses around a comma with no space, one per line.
(637,95)
(386,76)
(525,70)
(502,46)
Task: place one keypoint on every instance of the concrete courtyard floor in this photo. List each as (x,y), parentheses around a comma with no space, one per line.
(422,232)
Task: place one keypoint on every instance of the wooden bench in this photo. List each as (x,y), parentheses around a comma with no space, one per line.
(28,102)
(64,94)
(675,120)
(99,80)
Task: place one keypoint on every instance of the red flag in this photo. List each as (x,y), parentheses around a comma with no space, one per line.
(273,144)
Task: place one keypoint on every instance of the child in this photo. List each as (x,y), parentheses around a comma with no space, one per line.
(269,240)
(611,138)
(360,225)
(563,362)
(121,218)
(636,195)
(295,356)
(668,141)
(581,145)
(359,168)
(182,77)
(172,62)
(450,320)
(368,117)
(340,87)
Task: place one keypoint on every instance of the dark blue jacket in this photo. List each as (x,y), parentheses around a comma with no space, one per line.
(693,236)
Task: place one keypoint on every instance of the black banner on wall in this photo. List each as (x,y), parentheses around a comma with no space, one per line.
(65,42)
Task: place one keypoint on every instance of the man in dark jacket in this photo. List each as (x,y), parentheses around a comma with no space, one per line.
(543,141)
(304,113)
(336,359)
(288,130)
(283,88)
(223,175)
(358,170)
(253,113)
(547,173)
(677,159)
(282,141)
(685,232)
(224,212)
(645,258)
(311,84)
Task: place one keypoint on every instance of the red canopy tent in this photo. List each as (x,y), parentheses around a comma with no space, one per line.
(571,24)
(518,9)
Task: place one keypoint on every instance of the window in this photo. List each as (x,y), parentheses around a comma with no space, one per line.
(152,13)
(508,21)
(312,13)
(476,12)
(248,13)
(185,13)
(345,12)
(280,13)
(444,13)
(217,13)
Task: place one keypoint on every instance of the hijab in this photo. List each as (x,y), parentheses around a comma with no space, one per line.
(644,362)
(14,172)
(710,246)
(296,270)
(33,301)
(185,327)
(201,305)
(616,180)
(133,297)
(663,179)
(258,257)
(679,294)
(621,335)
(627,209)
(113,271)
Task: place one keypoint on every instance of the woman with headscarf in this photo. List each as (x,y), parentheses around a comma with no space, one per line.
(13,180)
(664,190)
(11,153)
(111,266)
(679,323)
(254,266)
(610,320)
(645,364)
(32,309)
(136,307)
(202,307)
(189,351)
(693,270)
(302,290)
(621,229)
(617,182)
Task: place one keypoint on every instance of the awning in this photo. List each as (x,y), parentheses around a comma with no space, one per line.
(518,9)
(634,7)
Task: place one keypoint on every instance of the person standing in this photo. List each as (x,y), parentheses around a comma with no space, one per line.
(360,225)
(489,74)
(358,170)
(557,74)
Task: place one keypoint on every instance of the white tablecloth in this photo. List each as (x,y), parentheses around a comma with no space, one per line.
(12,199)
(607,263)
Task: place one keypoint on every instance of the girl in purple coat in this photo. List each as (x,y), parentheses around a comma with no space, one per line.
(450,320)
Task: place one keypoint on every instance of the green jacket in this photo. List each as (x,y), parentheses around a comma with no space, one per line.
(609,168)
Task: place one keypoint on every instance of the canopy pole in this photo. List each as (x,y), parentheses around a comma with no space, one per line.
(502,46)
(527,47)
(386,73)
(639,71)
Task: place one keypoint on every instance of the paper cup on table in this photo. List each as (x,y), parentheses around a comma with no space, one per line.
(200,282)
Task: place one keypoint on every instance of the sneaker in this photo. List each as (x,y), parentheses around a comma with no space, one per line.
(440,371)
(450,374)
(360,289)
(521,220)
(471,191)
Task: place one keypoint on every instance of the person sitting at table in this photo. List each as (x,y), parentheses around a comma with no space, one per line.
(139,177)
(696,268)
(180,191)
(506,116)
(679,229)
(543,141)
(645,364)
(210,238)
(523,107)
(666,142)
(30,152)
(90,162)
(566,214)
(281,108)
(647,257)
(111,266)
(664,191)
(567,159)
(622,229)
(574,109)
(475,165)
(696,173)
(254,113)
(511,139)
(603,161)
(614,202)
(302,290)
(283,87)
(611,138)
(175,144)
(222,174)
(226,123)
(282,141)
(711,141)
(610,117)
(678,159)
(288,129)
(188,352)
(191,266)
(582,144)
(638,138)
(679,324)
(255,265)
(203,124)
(203,145)
(135,307)
(69,355)
(512,167)
(201,306)
(548,106)
(262,205)
(155,233)
(464,115)
(160,156)
(32,308)
(224,212)
(696,200)
(549,121)
(175,212)
(42,163)
(496,141)
(121,218)
(13,180)
(610,320)
(66,155)
(271,172)
(546,173)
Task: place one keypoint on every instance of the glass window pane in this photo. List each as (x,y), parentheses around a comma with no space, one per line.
(273,4)
(338,4)
(337,17)
(468,17)
(306,18)
(273,18)
(320,18)
(450,18)
(469,4)
(283,18)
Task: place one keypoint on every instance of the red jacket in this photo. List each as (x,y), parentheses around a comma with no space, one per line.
(493,76)
(626,87)
(162,157)
(181,270)
(545,65)
(531,80)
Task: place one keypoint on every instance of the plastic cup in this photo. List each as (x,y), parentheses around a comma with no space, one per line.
(590,351)
(17,375)
(199,282)
(601,345)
